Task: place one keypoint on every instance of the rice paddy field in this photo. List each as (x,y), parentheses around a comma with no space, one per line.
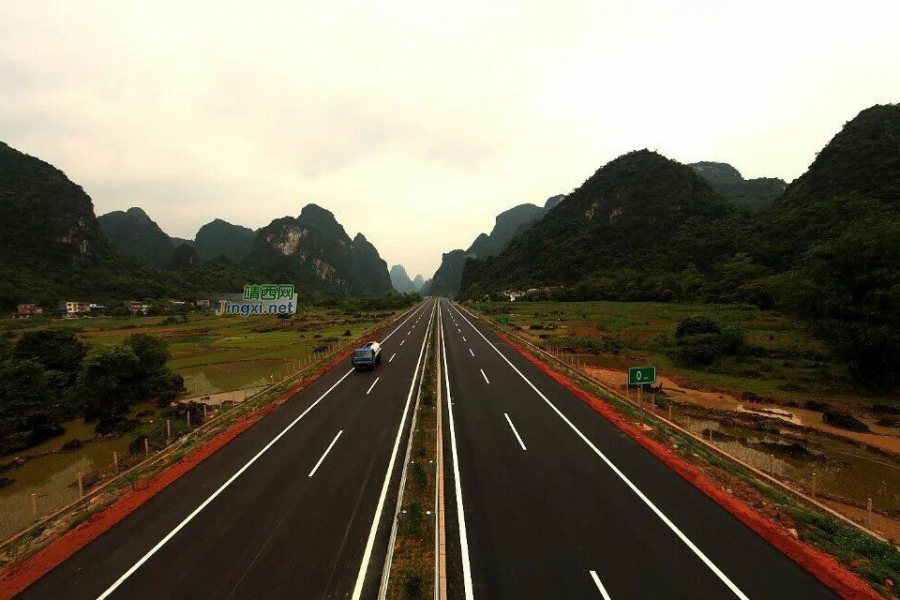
(780,362)
(219,354)
(226,358)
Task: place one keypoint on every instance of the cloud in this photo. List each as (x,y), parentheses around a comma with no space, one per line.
(417,125)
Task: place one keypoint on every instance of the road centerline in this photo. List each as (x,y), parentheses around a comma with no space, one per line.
(599,585)
(515,431)
(327,450)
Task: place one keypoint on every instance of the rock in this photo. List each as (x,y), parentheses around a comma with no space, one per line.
(794,450)
(72,445)
(844,420)
(793,533)
(116,425)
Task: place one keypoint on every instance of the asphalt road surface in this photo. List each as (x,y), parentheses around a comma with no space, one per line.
(298,506)
(546,499)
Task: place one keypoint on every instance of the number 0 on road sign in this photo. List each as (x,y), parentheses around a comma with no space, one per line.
(641,375)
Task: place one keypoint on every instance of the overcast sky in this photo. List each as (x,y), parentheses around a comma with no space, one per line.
(417,122)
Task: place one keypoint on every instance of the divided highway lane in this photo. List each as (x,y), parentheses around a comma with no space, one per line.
(298,506)
(559,503)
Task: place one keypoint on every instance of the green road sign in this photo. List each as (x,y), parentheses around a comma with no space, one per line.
(641,375)
(504,320)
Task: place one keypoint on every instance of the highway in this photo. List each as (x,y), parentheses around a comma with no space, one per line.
(298,506)
(546,499)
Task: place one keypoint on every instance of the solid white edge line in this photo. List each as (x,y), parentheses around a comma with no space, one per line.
(327,450)
(600,587)
(370,543)
(486,380)
(392,357)
(460,512)
(515,432)
(373,385)
(230,480)
(214,495)
(699,553)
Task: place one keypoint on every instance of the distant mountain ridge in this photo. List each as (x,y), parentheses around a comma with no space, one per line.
(315,250)
(138,236)
(221,238)
(641,212)
(644,227)
(507,225)
(447,278)
(401,281)
(746,193)
(54,248)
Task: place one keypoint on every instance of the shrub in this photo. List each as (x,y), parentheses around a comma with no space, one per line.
(732,338)
(699,350)
(696,325)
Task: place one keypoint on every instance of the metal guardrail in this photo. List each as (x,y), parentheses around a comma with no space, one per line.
(794,493)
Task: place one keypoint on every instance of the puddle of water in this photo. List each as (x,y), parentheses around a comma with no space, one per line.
(776,413)
(52,477)
(222,377)
(848,471)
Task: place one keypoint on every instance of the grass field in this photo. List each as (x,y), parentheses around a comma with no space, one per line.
(216,354)
(780,361)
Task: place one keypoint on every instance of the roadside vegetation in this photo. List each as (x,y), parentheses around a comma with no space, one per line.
(759,355)
(412,567)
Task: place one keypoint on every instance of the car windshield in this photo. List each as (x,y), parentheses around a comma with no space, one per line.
(363,353)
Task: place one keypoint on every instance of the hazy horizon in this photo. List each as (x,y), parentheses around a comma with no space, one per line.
(418,126)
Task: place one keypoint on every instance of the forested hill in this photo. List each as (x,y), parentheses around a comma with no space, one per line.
(314,250)
(641,213)
(855,178)
(53,249)
(752,194)
(401,281)
(138,237)
(826,250)
(507,225)
(221,238)
(44,216)
(447,278)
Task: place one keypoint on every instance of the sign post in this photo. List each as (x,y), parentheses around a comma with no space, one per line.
(641,376)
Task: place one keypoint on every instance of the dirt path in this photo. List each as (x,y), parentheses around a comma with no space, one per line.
(885,438)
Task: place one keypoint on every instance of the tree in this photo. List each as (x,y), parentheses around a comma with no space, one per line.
(848,291)
(24,389)
(152,352)
(53,348)
(108,380)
